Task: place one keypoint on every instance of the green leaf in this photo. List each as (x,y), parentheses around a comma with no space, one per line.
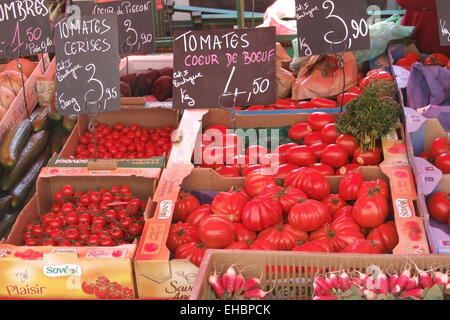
(356,291)
(385,297)
(436,292)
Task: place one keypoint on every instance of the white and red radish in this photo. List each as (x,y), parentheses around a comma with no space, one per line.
(216,284)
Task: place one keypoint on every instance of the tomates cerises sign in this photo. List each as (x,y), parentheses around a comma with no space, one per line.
(24,28)
(224,68)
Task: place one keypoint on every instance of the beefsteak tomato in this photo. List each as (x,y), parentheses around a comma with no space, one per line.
(314,246)
(362,246)
(184,206)
(180,233)
(310,181)
(216,232)
(309,215)
(350,185)
(257,180)
(199,214)
(284,236)
(261,213)
(192,251)
(334,202)
(370,211)
(229,205)
(286,197)
(385,236)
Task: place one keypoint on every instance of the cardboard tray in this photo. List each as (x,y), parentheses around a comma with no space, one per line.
(291,274)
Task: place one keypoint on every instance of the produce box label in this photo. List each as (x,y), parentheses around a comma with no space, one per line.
(86,51)
(443,9)
(135,24)
(330,26)
(224,68)
(155,162)
(24,28)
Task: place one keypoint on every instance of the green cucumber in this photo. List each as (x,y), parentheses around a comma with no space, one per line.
(41,121)
(33,149)
(22,188)
(13,143)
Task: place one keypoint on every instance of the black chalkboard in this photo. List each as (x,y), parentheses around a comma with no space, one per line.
(331,26)
(135,21)
(85,6)
(87,65)
(443,9)
(24,28)
(224,68)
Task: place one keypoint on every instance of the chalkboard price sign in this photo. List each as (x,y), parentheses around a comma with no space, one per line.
(224,68)
(135,20)
(24,28)
(86,53)
(443,8)
(331,26)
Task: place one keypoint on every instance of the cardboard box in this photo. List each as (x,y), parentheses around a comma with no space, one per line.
(290,275)
(144,117)
(158,276)
(59,272)
(18,109)
(140,64)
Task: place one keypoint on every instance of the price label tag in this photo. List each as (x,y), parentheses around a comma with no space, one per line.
(443,9)
(330,26)
(87,60)
(224,68)
(135,22)
(24,28)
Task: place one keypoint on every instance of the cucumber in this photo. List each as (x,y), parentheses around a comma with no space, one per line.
(6,224)
(33,149)
(41,121)
(69,122)
(13,143)
(56,138)
(4,204)
(21,189)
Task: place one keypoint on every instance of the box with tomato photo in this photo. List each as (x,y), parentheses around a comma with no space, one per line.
(370,210)
(77,237)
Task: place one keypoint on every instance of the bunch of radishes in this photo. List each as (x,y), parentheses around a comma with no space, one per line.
(233,286)
(410,284)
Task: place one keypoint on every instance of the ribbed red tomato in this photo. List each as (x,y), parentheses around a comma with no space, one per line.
(368,158)
(334,156)
(385,236)
(286,197)
(216,232)
(261,213)
(238,245)
(185,205)
(374,186)
(339,233)
(242,234)
(199,214)
(283,236)
(192,251)
(314,246)
(310,181)
(324,169)
(229,205)
(344,211)
(350,185)
(309,215)
(262,244)
(362,246)
(180,233)
(301,156)
(257,180)
(334,203)
(370,211)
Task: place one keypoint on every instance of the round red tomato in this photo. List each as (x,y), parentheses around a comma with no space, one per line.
(261,213)
(228,171)
(229,205)
(340,233)
(238,245)
(257,180)
(334,155)
(180,233)
(199,214)
(284,237)
(312,138)
(348,142)
(255,153)
(314,246)
(436,59)
(301,156)
(362,246)
(439,146)
(439,206)
(185,205)
(309,215)
(334,202)
(242,234)
(284,169)
(368,158)
(216,232)
(370,211)
(329,134)
(317,149)
(262,244)
(323,168)
(192,251)
(385,236)
(375,186)
(310,181)
(350,185)
(318,120)
(443,163)
(286,197)
(299,131)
